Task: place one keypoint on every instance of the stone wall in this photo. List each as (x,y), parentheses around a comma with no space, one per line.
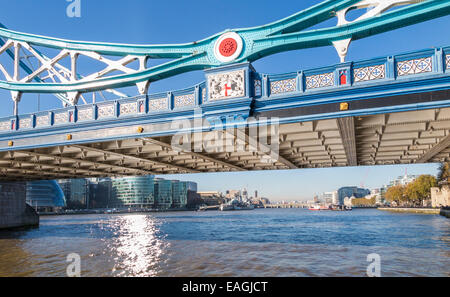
(440,196)
(445,213)
(14,212)
(411,210)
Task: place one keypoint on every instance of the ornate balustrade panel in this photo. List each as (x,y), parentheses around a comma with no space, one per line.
(157,105)
(181,101)
(283,86)
(414,66)
(369,73)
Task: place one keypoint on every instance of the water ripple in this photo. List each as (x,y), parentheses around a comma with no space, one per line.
(277,242)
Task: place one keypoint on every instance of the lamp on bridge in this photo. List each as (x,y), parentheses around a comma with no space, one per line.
(343,106)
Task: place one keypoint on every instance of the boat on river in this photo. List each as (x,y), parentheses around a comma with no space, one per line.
(236,205)
(319,207)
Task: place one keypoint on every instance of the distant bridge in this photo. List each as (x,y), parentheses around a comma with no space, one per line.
(286,205)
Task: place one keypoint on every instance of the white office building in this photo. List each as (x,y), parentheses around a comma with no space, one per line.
(331,197)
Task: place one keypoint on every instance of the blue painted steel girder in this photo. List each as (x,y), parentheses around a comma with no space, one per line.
(258,42)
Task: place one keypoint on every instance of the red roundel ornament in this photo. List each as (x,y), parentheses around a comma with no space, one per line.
(228,47)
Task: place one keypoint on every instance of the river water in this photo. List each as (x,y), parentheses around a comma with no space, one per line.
(261,242)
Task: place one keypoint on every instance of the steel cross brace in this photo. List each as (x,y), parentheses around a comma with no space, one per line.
(231,46)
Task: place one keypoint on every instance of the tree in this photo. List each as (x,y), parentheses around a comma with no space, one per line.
(444,172)
(364,201)
(420,189)
(412,192)
(395,194)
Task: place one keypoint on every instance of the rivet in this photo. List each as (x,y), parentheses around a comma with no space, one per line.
(10,143)
(140,129)
(69,136)
(344,106)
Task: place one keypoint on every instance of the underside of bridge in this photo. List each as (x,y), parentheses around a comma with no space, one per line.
(385,110)
(382,139)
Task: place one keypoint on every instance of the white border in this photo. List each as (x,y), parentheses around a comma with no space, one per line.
(240,45)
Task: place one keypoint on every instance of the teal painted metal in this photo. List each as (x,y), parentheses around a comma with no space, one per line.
(258,42)
(27,69)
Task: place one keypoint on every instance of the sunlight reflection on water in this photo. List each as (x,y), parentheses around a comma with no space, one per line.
(136,248)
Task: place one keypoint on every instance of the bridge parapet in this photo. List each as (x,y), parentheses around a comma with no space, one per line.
(155,105)
(414,65)
(349,86)
(159,106)
(423,70)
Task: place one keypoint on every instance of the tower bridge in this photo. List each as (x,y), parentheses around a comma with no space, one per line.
(384,110)
(372,112)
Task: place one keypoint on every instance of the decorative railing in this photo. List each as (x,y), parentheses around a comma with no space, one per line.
(416,65)
(431,61)
(122,108)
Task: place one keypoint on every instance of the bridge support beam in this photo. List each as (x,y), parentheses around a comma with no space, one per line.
(347,131)
(136,159)
(16,96)
(197,155)
(442,145)
(268,151)
(14,212)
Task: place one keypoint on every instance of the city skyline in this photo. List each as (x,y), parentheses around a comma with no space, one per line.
(312,183)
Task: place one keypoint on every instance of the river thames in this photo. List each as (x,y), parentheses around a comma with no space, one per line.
(262,242)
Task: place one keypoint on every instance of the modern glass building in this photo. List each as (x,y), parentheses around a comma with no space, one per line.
(192,186)
(163,193)
(76,192)
(179,193)
(348,192)
(100,192)
(403,180)
(45,195)
(137,191)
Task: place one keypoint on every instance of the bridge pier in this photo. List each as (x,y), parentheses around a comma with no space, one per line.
(14,212)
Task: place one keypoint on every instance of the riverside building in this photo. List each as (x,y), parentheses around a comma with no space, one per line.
(136,191)
(163,193)
(349,192)
(331,197)
(45,195)
(76,192)
(179,193)
(100,193)
(403,180)
(192,186)
(125,192)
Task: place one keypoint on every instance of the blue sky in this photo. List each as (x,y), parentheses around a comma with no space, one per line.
(179,21)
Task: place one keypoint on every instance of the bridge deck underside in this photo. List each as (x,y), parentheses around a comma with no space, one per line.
(395,138)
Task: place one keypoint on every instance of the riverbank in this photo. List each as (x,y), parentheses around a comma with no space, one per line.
(412,210)
(445,213)
(110,211)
